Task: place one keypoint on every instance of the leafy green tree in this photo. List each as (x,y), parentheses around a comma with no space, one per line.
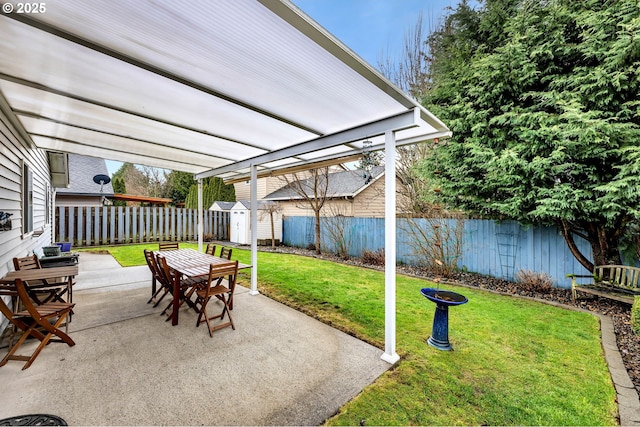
(177,186)
(543,103)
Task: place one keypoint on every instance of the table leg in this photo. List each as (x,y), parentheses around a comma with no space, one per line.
(176,302)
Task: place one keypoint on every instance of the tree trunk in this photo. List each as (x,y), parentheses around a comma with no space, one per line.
(273,232)
(604,245)
(567,233)
(317,212)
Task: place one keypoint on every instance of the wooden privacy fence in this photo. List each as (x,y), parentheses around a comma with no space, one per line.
(111,225)
(498,249)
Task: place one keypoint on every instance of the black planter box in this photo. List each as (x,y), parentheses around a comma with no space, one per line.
(59,260)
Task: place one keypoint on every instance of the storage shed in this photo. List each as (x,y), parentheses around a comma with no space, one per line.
(241,223)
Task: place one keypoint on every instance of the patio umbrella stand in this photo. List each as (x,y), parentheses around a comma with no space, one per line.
(440,332)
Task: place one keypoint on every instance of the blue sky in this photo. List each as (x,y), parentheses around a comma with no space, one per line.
(374,29)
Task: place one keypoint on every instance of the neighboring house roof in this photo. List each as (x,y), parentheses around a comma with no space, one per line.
(341,184)
(82,169)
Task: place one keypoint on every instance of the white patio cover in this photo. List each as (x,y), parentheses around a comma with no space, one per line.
(230,88)
(192,85)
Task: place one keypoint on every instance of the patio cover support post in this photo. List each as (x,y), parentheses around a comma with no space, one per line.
(254,230)
(200,216)
(390,354)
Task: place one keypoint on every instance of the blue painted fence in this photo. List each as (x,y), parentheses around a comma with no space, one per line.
(498,249)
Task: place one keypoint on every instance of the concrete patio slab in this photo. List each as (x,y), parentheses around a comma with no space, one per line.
(130,367)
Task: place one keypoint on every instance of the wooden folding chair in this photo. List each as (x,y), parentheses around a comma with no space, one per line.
(168,246)
(225,253)
(211,249)
(43,291)
(215,288)
(169,278)
(156,278)
(39,321)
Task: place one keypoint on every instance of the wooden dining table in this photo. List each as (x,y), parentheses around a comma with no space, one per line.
(191,263)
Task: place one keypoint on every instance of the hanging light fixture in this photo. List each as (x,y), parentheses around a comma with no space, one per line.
(367,161)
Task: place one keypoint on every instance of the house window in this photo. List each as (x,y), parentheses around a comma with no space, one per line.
(27,199)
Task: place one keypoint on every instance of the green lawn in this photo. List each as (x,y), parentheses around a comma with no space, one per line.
(515,362)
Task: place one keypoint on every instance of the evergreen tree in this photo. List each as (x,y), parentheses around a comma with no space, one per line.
(544,111)
(213,189)
(191,201)
(119,188)
(177,185)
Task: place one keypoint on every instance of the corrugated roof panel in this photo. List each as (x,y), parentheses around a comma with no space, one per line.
(223,81)
(238,48)
(97,78)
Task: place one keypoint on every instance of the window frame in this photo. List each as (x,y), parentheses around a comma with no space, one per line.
(27,199)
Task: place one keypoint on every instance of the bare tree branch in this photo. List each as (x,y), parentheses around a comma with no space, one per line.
(312,191)
(270,209)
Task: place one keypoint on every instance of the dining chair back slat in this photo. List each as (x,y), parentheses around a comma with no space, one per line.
(226,253)
(168,246)
(27,263)
(211,249)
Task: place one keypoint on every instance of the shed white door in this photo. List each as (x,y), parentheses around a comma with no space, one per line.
(239,226)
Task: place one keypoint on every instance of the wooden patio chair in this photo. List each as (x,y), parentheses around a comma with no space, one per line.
(225,253)
(156,278)
(168,279)
(211,249)
(168,246)
(216,288)
(39,321)
(42,291)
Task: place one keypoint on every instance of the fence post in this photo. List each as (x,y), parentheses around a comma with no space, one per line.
(87,225)
(72,224)
(96,226)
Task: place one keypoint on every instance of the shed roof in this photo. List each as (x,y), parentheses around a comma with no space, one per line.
(204,86)
(223,206)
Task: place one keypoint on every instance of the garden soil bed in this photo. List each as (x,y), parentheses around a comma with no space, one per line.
(628,342)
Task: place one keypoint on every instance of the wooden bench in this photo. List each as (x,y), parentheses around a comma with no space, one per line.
(616,282)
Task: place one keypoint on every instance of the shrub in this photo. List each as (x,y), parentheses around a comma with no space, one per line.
(635,315)
(436,241)
(533,281)
(373,257)
(338,231)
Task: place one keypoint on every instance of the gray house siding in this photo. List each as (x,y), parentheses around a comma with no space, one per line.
(14,151)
